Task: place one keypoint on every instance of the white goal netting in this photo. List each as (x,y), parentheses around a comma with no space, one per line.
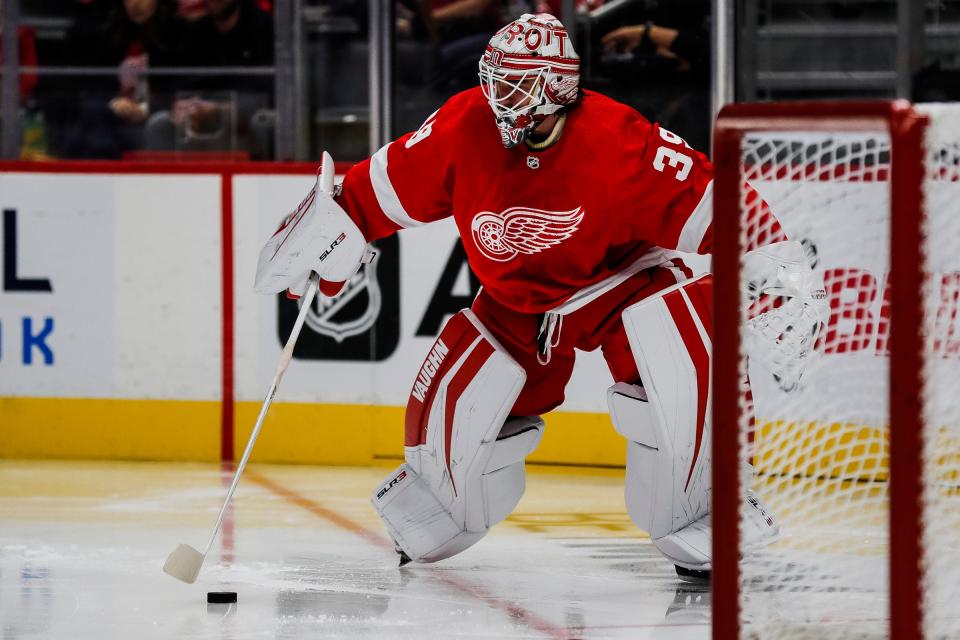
(941,392)
(818,455)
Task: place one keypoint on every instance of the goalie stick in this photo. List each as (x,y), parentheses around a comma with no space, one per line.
(184,562)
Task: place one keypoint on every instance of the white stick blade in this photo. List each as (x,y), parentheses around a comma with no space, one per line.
(184,563)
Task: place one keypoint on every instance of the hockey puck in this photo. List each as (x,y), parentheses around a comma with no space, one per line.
(221,597)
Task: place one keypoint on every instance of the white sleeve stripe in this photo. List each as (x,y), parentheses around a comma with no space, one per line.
(691,236)
(387,196)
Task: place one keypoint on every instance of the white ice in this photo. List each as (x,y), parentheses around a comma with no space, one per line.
(82,545)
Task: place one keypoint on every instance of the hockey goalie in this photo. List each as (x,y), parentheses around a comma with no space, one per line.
(571,208)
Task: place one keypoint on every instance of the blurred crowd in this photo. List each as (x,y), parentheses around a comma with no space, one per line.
(132,80)
(154,112)
(651,54)
(143,78)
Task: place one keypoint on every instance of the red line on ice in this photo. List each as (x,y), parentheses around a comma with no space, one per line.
(513,610)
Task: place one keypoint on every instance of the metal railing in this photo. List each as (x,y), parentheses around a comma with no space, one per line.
(10,86)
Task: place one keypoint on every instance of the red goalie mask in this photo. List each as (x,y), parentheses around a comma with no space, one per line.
(528,71)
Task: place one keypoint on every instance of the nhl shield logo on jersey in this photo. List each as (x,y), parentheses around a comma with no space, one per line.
(501,236)
(533,162)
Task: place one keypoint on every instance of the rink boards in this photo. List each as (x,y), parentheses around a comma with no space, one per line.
(150,343)
(129,327)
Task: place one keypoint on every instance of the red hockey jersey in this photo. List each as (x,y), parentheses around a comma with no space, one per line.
(541,228)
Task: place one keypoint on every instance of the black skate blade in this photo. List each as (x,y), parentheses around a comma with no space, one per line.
(404,558)
(693,576)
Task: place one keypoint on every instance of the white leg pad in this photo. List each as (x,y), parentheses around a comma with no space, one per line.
(668,427)
(667,421)
(502,490)
(464,468)
(414,517)
(649,486)
(691,546)
(426,529)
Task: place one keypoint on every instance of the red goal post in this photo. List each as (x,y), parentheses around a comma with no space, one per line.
(851,179)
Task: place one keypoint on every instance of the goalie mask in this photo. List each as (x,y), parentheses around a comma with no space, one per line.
(528,71)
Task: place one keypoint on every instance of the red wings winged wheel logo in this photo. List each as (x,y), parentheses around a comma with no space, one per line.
(501,236)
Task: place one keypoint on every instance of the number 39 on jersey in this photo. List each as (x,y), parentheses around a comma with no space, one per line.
(670,157)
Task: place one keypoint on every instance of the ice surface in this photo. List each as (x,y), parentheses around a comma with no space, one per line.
(82,546)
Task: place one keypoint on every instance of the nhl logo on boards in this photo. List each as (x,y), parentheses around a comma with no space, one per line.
(533,162)
(360,324)
(322,318)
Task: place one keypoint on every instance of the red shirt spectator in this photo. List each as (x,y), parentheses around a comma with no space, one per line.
(27,45)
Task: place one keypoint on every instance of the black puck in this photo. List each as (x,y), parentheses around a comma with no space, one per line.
(221,597)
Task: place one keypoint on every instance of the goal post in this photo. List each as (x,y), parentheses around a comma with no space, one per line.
(860,464)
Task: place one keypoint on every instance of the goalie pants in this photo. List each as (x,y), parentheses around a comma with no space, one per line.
(596,325)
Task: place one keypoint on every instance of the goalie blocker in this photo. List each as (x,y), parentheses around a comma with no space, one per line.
(464,469)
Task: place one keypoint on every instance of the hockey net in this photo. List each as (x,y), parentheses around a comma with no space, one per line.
(860,463)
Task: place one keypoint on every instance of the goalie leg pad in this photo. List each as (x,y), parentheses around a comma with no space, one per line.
(426,529)
(667,425)
(691,547)
(648,491)
(667,422)
(416,520)
(460,448)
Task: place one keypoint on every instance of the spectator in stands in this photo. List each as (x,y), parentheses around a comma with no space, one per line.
(446,20)
(33,135)
(191,10)
(136,34)
(667,60)
(683,49)
(27,52)
(454,19)
(458,31)
(233,33)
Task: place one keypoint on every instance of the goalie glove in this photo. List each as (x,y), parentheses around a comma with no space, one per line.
(318,236)
(784,339)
